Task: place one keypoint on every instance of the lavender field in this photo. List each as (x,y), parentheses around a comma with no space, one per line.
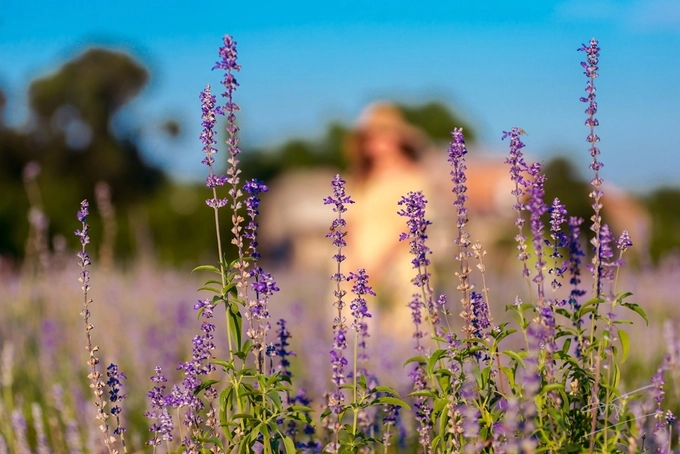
(566,349)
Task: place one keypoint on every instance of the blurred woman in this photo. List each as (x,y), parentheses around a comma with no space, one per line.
(385,154)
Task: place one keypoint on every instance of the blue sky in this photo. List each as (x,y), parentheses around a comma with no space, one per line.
(305,63)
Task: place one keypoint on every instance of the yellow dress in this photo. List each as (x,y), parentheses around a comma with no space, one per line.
(374,228)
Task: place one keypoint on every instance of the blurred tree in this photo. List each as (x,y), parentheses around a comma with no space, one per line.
(2,109)
(266,163)
(437,120)
(71,136)
(664,207)
(564,182)
(434,118)
(72,124)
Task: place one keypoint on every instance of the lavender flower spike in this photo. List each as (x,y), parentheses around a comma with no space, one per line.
(360,310)
(95,376)
(590,67)
(337,233)
(517,169)
(414,210)
(207,138)
(624,243)
(537,208)
(559,240)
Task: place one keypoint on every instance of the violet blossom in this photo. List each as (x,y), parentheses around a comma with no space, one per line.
(517,169)
(590,67)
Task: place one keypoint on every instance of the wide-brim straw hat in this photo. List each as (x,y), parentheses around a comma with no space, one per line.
(384,116)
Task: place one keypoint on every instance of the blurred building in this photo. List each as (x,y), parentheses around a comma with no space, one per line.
(294,221)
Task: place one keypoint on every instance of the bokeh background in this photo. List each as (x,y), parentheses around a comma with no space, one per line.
(100,101)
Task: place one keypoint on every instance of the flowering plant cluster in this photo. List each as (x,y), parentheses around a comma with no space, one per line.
(558,392)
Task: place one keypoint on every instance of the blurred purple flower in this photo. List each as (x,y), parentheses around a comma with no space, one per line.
(537,208)
(624,243)
(416,305)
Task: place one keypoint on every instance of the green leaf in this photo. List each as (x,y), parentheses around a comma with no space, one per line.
(514,356)
(235,323)
(434,358)
(551,387)
(636,308)
(392,401)
(209,289)
(423,393)
(625,344)
(205,385)
(288,443)
(220,362)
(386,389)
(415,359)
(207,268)
(300,408)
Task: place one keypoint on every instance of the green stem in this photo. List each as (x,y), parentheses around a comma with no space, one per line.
(354,402)
(223,274)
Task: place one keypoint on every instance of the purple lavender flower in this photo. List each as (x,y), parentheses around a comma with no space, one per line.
(282,350)
(20,427)
(517,168)
(607,253)
(359,309)
(200,365)
(574,269)
(414,210)
(360,288)
(339,199)
(263,283)
(422,409)
(658,392)
(114,383)
(559,240)
(390,419)
(159,412)
(416,305)
(207,138)
(337,233)
(253,188)
(537,208)
(457,152)
(208,132)
(590,70)
(480,311)
(228,57)
(624,243)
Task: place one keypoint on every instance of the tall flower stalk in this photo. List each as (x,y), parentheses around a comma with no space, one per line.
(590,67)
(518,168)
(95,377)
(413,209)
(338,361)
(263,284)
(360,289)
(457,152)
(228,63)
